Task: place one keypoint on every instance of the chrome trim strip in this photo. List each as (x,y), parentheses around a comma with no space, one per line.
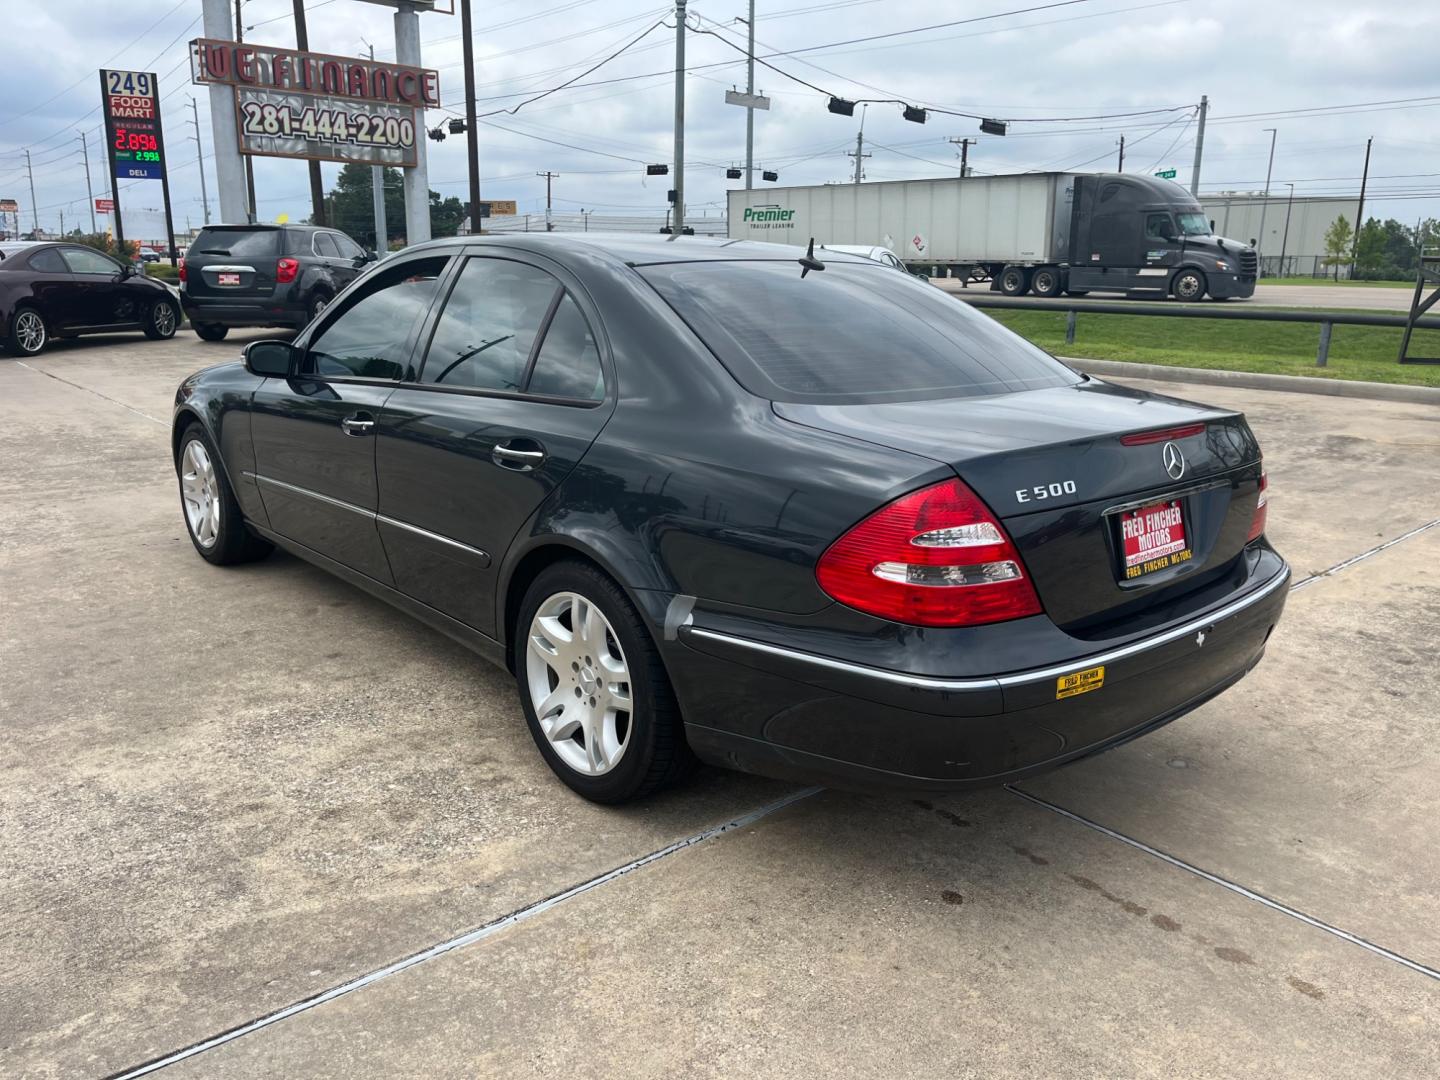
(428,535)
(925,682)
(217,269)
(1177,493)
(381,518)
(313,494)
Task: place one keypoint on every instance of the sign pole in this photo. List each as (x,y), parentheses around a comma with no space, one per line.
(115,214)
(229,172)
(417,178)
(164,178)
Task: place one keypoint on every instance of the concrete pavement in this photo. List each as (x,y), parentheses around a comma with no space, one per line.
(229,790)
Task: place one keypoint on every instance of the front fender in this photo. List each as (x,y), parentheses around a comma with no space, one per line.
(218,398)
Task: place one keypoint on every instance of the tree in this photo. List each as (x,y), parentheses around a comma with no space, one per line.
(1337,243)
(1370,251)
(351,206)
(106,242)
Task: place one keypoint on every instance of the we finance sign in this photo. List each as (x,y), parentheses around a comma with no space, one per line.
(768,217)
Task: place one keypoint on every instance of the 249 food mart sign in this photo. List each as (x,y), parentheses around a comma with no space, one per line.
(317,106)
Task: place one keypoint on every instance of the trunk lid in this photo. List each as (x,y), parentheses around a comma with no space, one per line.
(1052,466)
(233,260)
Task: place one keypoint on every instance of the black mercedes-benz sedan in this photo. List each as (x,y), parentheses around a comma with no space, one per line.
(800,516)
(58,290)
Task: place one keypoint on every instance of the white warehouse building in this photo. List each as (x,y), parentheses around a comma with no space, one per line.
(1237,215)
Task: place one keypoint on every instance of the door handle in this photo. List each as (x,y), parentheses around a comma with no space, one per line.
(516,459)
(358,424)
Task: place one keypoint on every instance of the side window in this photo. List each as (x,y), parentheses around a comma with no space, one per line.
(85,261)
(325,246)
(48,261)
(568,364)
(368,338)
(484,336)
(1158,226)
(1108,192)
(348,248)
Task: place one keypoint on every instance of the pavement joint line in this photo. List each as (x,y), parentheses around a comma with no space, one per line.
(470,937)
(1225,883)
(106,397)
(1364,555)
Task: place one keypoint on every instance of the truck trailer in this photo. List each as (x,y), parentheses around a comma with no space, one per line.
(1045,233)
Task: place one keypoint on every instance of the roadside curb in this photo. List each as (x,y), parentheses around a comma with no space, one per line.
(1255,380)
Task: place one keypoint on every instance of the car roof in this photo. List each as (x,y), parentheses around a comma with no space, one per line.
(637,249)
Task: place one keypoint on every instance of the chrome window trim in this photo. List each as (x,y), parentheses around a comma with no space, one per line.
(372,515)
(1023,678)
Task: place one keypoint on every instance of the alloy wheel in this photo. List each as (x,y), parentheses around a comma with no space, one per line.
(200,493)
(30,331)
(164,319)
(579,683)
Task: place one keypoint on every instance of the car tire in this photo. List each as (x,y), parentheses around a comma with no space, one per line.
(602,751)
(317,303)
(1014,281)
(212,515)
(28,333)
(164,320)
(1188,285)
(1047,282)
(210,332)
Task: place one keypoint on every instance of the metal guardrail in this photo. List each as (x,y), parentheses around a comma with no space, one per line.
(1326,320)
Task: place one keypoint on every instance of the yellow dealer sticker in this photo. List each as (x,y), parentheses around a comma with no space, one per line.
(1080,682)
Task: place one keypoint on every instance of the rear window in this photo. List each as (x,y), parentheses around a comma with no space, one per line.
(849,334)
(236,242)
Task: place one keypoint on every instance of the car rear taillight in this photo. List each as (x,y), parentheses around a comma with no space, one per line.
(181,265)
(286,269)
(1257,523)
(935,557)
(1145,438)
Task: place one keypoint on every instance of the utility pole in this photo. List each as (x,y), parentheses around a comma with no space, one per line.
(1199,146)
(1121,166)
(1359,210)
(750,110)
(548,177)
(229,172)
(317,187)
(472,129)
(200,157)
(1265,206)
(34,205)
(964,145)
(249,161)
(678,220)
(1285,237)
(85,150)
(417,177)
(859,152)
(377,192)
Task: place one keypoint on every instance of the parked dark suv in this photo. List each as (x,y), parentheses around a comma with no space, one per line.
(264,275)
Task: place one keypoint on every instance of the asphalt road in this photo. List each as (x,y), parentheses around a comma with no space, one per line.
(1333,297)
(227,791)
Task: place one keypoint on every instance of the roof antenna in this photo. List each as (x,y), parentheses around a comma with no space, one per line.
(808,261)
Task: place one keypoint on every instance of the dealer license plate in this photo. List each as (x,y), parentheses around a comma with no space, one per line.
(229,279)
(1152,538)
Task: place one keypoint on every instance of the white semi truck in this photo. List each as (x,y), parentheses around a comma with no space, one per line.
(1045,233)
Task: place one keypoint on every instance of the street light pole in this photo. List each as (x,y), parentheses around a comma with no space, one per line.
(472,131)
(1265,206)
(1199,146)
(1285,238)
(377,195)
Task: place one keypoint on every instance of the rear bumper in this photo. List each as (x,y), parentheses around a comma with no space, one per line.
(240,311)
(763,708)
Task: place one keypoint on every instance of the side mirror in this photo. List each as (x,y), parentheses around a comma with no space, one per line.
(365,259)
(271,359)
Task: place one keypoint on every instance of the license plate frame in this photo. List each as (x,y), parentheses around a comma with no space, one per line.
(228,280)
(1151,538)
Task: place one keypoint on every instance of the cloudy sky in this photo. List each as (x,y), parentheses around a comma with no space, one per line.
(1327,74)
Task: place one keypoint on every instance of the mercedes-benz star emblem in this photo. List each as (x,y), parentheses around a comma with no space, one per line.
(1174,460)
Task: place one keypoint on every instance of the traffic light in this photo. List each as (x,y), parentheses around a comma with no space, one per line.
(732,174)
(914,115)
(437,134)
(769,175)
(657,170)
(457,127)
(993,127)
(841,107)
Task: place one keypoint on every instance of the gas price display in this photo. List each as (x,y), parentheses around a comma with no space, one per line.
(132,124)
